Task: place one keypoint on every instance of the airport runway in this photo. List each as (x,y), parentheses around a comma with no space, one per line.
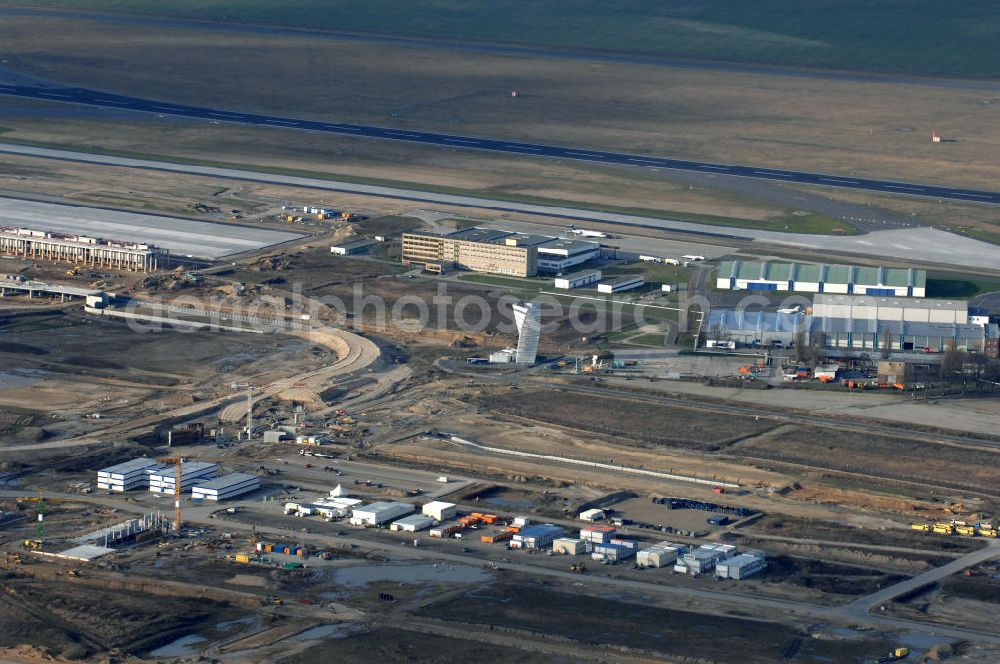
(107,100)
(925,246)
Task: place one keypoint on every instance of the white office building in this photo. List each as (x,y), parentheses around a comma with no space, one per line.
(741,566)
(126,476)
(225,487)
(163,478)
(658,555)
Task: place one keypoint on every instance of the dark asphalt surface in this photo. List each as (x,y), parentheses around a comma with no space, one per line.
(120,102)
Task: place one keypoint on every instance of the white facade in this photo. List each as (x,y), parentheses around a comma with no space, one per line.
(163,479)
(592,515)
(438,510)
(412,523)
(126,476)
(225,487)
(740,567)
(569,546)
(378,513)
(577,279)
(528,318)
(560,253)
(619,285)
(657,556)
(863,307)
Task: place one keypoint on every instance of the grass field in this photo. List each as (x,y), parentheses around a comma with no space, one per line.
(891,36)
(881,456)
(647,423)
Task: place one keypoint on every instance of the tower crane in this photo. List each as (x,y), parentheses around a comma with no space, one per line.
(178,463)
(250,388)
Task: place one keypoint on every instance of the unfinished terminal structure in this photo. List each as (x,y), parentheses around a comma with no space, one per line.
(81,250)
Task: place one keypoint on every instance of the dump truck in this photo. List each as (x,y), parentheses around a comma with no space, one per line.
(944,529)
(968,531)
(895,655)
(923,527)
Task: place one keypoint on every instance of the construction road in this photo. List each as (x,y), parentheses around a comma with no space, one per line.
(122,102)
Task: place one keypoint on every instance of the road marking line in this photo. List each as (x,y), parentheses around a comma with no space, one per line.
(228,115)
(521,147)
(461,140)
(342,128)
(583,154)
(717,168)
(642,161)
(53,94)
(396,133)
(112,101)
(838,181)
(894,186)
(284,122)
(957,193)
(774,175)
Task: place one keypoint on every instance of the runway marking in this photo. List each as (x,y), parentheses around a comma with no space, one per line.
(461,140)
(896,186)
(838,181)
(774,175)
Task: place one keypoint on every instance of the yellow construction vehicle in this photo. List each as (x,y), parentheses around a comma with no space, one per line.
(944,529)
(73,271)
(968,531)
(924,527)
(987,532)
(32,545)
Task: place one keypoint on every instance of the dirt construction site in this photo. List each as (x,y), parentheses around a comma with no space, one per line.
(287,445)
(392,412)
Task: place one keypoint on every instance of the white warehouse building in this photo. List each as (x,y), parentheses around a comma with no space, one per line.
(412,523)
(126,476)
(225,487)
(620,284)
(378,513)
(162,479)
(577,279)
(438,510)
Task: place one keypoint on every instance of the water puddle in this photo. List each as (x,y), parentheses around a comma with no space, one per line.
(181,647)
